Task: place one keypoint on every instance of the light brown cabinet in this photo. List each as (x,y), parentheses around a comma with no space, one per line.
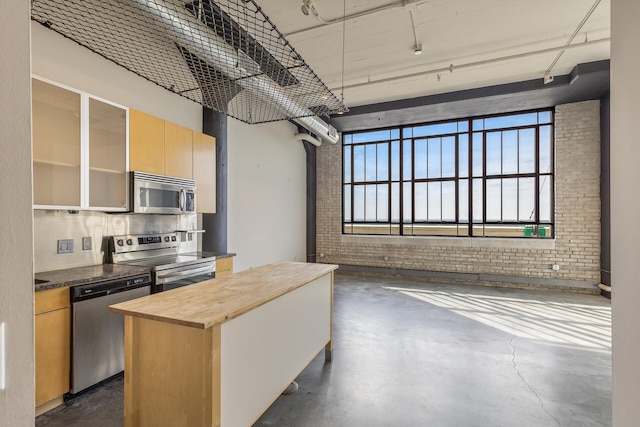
(158,146)
(52,344)
(164,148)
(146,143)
(224,267)
(178,151)
(204,171)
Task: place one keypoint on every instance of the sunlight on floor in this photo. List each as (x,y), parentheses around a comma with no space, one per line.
(560,322)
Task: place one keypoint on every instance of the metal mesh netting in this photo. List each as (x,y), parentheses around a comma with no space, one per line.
(225,55)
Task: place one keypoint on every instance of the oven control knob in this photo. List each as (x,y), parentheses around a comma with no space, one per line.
(173,238)
(120,242)
(129,242)
(166,238)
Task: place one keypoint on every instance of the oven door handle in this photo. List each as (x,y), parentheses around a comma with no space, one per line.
(171,277)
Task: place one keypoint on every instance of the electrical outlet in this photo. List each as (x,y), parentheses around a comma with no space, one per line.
(86,243)
(65,246)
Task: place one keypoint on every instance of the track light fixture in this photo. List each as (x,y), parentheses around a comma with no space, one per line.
(417,49)
(306,7)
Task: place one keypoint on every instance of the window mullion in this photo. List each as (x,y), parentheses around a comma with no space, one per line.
(389,185)
(401,183)
(413,185)
(353,175)
(483,175)
(456,181)
(470,179)
(537,177)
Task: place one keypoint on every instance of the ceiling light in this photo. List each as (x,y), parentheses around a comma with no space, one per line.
(418,49)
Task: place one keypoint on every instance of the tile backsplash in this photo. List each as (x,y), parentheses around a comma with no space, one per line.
(51,226)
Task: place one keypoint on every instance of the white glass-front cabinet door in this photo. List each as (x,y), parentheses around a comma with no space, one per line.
(80,150)
(56,146)
(107,155)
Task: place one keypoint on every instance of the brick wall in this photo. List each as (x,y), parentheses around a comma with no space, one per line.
(576,247)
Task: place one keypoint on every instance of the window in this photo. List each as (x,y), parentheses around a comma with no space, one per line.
(482,176)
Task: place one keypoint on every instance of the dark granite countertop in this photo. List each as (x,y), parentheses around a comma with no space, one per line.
(217,255)
(82,275)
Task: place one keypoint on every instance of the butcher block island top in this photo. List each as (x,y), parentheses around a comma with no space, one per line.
(216,301)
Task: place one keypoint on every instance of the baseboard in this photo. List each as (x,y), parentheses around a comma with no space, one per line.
(484,279)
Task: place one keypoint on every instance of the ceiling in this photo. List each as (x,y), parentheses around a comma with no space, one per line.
(264,60)
(369,57)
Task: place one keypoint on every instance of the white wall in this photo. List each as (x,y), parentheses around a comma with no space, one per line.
(16,228)
(625,206)
(61,60)
(266,194)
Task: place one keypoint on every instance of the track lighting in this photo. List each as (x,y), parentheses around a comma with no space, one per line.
(306,7)
(417,50)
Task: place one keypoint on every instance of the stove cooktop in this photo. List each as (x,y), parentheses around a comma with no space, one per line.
(170,261)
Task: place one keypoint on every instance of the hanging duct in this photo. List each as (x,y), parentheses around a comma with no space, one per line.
(225,55)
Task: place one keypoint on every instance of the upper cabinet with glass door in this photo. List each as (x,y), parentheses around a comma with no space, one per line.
(80,146)
(56,145)
(107,155)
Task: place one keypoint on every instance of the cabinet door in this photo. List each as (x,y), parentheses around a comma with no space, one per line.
(146,143)
(107,156)
(52,354)
(56,145)
(178,147)
(204,171)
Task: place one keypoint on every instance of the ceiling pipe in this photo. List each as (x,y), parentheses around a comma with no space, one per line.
(547,74)
(314,11)
(450,68)
(185,29)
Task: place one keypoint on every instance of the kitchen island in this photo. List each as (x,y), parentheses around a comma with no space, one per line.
(218,353)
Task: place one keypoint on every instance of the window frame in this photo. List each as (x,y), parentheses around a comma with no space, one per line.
(534,228)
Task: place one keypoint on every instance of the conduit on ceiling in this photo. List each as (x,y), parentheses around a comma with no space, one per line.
(224,55)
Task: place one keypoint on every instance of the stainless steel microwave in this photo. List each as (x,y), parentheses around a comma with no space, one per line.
(158,194)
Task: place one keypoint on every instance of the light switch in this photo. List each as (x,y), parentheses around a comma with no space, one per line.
(86,243)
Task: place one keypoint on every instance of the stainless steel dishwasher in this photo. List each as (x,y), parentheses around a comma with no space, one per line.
(97,334)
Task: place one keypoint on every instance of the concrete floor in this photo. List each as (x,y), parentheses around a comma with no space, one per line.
(409,353)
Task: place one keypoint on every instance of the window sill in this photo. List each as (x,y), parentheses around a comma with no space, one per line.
(454,242)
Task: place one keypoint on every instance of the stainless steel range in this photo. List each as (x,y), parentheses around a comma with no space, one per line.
(159,252)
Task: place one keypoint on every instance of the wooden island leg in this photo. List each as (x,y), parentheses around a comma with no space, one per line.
(328,349)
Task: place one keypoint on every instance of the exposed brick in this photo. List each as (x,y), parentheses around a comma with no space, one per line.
(577,216)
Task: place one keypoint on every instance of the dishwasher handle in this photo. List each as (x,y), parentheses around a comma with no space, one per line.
(98,289)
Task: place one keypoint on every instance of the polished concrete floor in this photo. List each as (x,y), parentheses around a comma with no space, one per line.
(411,353)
